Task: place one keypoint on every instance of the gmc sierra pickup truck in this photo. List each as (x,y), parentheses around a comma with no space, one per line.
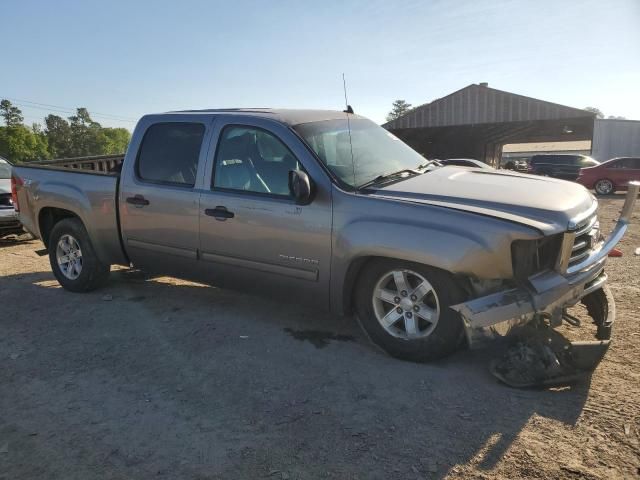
(328,208)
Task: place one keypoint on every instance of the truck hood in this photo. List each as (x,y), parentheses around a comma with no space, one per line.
(544,203)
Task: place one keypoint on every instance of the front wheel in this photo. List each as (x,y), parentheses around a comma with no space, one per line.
(604,187)
(404,309)
(73,259)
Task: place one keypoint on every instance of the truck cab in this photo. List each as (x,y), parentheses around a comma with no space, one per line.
(209,197)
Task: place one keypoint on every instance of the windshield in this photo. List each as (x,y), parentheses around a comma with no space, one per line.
(375,150)
(5,170)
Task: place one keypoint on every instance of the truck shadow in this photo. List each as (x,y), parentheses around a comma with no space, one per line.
(241,381)
(13,240)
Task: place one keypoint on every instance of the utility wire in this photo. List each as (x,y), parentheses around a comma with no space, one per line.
(61,109)
(70,112)
(69,109)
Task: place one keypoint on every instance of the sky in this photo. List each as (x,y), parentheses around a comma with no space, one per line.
(122,59)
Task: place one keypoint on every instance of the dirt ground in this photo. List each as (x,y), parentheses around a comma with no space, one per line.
(160,378)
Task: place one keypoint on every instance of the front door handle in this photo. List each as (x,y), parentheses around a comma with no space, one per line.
(138,201)
(219,213)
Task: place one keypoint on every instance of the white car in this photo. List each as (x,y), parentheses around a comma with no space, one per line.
(9,223)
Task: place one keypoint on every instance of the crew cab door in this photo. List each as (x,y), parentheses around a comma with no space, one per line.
(252,233)
(159,198)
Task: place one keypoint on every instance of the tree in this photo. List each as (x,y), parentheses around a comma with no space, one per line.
(20,144)
(17,142)
(115,140)
(12,115)
(58,134)
(398,109)
(616,117)
(77,136)
(85,134)
(595,110)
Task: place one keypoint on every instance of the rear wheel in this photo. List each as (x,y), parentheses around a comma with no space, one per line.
(404,309)
(604,187)
(73,259)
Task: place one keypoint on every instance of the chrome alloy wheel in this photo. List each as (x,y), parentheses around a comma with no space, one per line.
(406,305)
(604,187)
(69,257)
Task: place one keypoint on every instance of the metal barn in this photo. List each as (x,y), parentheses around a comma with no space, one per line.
(476,121)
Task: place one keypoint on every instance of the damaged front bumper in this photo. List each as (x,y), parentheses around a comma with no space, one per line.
(548,294)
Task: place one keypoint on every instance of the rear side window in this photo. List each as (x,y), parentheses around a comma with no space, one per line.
(556,159)
(169,153)
(630,163)
(542,159)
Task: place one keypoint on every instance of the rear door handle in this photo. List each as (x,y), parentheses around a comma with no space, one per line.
(219,213)
(138,201)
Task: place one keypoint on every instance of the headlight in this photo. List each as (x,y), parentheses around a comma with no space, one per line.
(532,256)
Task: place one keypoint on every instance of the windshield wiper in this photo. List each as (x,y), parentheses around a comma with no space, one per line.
(422,166)
(387,176)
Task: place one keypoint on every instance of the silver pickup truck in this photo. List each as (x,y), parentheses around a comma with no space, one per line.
(328,208)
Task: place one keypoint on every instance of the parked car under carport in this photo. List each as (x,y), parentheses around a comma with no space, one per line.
(611,176)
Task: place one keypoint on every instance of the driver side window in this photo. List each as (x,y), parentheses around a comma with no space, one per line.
(253,160)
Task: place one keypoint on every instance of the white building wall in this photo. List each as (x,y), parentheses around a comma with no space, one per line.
(615,138)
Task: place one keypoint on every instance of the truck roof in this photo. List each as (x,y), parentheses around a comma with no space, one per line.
(287,116)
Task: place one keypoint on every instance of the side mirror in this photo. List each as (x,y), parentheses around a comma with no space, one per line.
(301,187)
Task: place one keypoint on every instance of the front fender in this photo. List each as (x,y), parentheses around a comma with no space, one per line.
(458,242)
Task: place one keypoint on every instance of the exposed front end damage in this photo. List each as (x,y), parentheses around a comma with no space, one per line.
(541,301)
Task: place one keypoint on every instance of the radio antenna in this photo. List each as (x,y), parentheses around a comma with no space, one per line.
(348,111)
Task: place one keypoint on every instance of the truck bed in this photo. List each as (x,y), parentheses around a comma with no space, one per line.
(84,188)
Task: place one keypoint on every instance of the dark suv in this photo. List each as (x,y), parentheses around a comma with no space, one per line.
(560,165)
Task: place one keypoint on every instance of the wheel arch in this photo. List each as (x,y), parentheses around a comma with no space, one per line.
(48,217)
(359,264)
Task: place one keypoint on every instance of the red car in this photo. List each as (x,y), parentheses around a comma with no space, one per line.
(612,175)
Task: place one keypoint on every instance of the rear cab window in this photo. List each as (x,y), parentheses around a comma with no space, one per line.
(169,153)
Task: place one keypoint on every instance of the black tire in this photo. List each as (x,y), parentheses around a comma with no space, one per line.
(444,339)
(93,273)
(604,186)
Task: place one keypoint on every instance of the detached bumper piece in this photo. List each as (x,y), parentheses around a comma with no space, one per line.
(543,357)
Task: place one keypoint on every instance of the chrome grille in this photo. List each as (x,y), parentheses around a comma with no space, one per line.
(587,237)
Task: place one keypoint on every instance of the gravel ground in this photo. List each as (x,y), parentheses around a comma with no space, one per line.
(161,378)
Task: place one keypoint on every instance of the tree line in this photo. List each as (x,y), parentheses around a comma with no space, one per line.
(74,136)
